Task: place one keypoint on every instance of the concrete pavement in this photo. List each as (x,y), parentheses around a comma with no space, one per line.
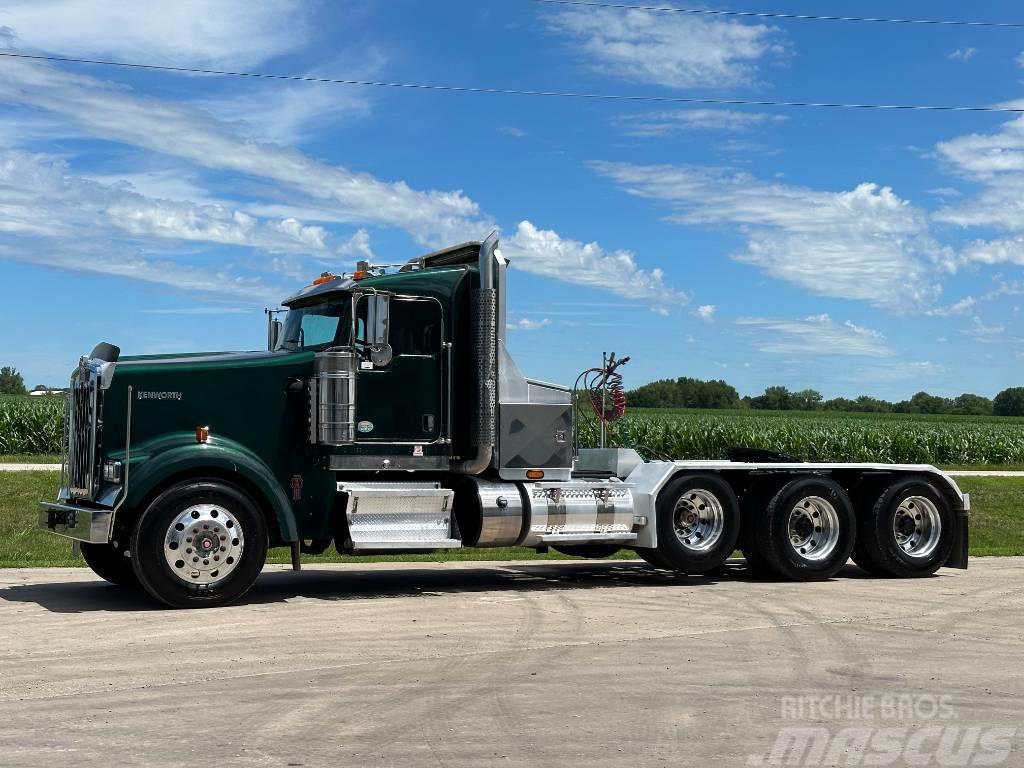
(464,664)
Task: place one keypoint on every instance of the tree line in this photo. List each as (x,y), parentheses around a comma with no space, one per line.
(685,392)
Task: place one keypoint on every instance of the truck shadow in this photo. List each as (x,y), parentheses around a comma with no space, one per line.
(348,582)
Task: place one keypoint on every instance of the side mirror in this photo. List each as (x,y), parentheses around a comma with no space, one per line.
(274,328)
(377,319)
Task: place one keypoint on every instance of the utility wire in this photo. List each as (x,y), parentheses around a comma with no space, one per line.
(779,15)
(517,92)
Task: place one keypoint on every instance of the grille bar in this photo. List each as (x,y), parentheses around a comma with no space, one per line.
(81,433)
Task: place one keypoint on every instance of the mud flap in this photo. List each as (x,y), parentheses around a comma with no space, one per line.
(958,555)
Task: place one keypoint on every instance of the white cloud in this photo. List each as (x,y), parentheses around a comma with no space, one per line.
(666,122)
(815,335)
(923,372)
(866,243)
(1006,250)
(668,49)
(103,111)
(204,33)
(528,324)
(38,196)
(706,312)
(980,330)
(962,54)
(544,252)
(1020,59)
(995,163)
(292,113)
(963,307)
(331,193)
(100,259)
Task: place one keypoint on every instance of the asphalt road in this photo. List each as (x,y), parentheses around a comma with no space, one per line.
(547,664)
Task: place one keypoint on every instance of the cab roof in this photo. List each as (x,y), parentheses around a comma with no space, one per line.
(467,253)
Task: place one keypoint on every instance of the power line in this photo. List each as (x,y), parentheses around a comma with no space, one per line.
(780,15)
(518,92)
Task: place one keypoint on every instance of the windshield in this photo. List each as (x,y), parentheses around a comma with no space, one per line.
(317,326)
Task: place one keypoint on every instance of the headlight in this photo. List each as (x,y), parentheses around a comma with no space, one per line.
(112,471)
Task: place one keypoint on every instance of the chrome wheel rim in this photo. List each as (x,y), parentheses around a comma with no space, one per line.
(698,520)
(203,544)
(917,526)
(813,528)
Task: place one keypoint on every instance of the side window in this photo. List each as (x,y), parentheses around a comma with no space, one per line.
(415,327)
(318,330)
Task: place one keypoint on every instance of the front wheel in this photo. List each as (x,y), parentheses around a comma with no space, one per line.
(698,523)
(201,543)
(110,563)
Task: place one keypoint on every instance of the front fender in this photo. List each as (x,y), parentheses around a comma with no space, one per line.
(153,462)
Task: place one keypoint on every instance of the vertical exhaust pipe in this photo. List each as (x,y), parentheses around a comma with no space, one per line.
(484,340)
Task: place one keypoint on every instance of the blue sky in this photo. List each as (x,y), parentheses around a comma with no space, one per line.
(850,251)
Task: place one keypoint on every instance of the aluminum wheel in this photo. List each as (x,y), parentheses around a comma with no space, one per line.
(814,528)
(698,520)
(203,544)
(917,526)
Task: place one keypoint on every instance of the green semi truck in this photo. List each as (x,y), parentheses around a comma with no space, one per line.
(387,416)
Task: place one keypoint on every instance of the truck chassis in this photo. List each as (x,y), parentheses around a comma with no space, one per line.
(190,517)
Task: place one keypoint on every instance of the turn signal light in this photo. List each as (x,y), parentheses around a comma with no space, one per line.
(202,434)
(535,474)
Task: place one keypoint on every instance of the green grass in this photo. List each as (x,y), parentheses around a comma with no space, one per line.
(30,458)
(997,527)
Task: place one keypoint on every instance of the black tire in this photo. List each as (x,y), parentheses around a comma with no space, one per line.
(588,551)
(826,525)
(683,505)
(753,506)
(925,506)
(110,563)
(219,512)
(653,557)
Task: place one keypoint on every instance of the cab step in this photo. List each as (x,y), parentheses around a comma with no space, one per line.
(399,516)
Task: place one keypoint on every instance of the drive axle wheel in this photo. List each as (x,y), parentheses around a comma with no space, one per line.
(698,523)
(110,563)
(808,529)
(909,530)
(199,544)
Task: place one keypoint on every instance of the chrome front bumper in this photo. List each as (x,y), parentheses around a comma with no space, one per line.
(88,524)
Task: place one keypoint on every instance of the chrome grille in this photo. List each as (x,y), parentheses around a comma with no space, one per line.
(81,432)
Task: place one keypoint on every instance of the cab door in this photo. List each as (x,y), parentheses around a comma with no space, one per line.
(402,400)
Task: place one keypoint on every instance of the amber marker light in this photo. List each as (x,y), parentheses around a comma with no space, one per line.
(202,434)
(326,277)
(535,474)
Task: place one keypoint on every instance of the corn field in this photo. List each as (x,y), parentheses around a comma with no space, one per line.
(31,424)
(34,426)
(822,437)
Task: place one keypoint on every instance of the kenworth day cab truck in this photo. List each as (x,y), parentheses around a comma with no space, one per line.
(387,416)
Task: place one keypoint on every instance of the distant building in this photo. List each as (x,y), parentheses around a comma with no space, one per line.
(42,389)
